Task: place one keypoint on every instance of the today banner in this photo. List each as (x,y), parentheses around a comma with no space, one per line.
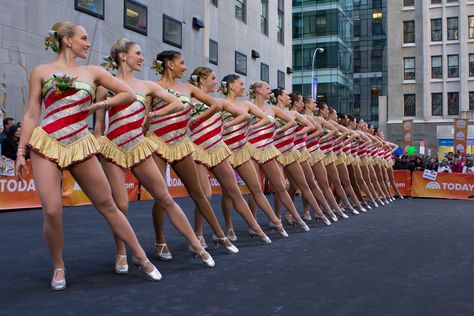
(447,186)
(460,135)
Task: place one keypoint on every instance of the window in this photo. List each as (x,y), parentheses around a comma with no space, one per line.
(453,29)
(281,22)
(240,63)
(436,104)
(215,3)
(408,31)
(408,3)
(436,66)
(471,101)
(453,66)
(471,65)
(280,79)
(135,17)
(377,22)
(448,1)
(356,27)
(91,7)
(172,31)
(241,10)
(213,52)
(470,31)
(264,72)
(264,17)
(436,30)
(435,1)
(409,68)
(453,103)
(409,105)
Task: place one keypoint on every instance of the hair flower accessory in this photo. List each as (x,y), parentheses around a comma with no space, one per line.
(63,82)
(198,108)
(280,122)
(157,66)
(194,78)
(251,93)
(272,99)
(52,41)
(109,63)
(223,88)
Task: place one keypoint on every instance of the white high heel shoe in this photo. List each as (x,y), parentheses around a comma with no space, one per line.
(202,241)
(208,263)
(231,235)
(263,237)
(153,275)
(58,285)
(224,241)
(121,268)
(279,228)
(165,256)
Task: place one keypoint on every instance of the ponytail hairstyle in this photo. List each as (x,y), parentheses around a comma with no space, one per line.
(198,74)
(159,64)
(294,96)
(59,30)
(320,106)
(122,45)
(276,93)
(226,81)
(253,88)
(306,100)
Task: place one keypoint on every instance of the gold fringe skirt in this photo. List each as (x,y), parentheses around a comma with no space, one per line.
(365,161)
(172,153)
(351,160)
(242,155)
(212,158)
(262,156)
(289,158)
(126,159)
(329,158)
(305,155)
(341,159)
(64,156)
(316,157)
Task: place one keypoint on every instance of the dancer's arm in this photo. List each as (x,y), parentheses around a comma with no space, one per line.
(308,125)
(259,114)
(214,104)
(290,122)
(155,90)
(99,126)
(238,115)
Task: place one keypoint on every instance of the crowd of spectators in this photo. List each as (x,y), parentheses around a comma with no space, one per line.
(451,163)
(9,138)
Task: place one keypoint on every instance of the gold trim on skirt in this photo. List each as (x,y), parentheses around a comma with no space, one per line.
(365,161)
(305,155)
(289,158)
(64,156)
(262,156)
(341,159)
(316,157)
(241,156)
(329,158)
(212,158)
(126,159)
(175,152)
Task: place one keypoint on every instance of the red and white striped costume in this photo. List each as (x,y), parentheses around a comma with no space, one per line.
(326,144)
(63,135)
(206,134)
(316,154)
(337,150)
(235,137)
(285,143)
(124,143)
(300,143)
(262,140)
(169,131)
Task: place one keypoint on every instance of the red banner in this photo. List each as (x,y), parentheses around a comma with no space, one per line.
(407,133)
(447,186)
(17,195)
(403,182)
(460,135)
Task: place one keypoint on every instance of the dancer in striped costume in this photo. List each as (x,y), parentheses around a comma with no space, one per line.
(380,168)
(389,162)
(176,149)
(62,141)
(326,144)
(284,142)
(265,152)
(323,128)
(125,147)
(297,106)
(205,79)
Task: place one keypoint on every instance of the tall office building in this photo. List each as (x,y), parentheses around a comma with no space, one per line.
(324,24)
(431,68)
(251,38)
(370,58)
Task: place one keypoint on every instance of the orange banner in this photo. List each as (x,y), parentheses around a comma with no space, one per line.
(447,186)
(407,133)
(16,195)
(460,135)
(403,182)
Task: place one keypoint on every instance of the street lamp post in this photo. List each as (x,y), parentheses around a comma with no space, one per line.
(321,50)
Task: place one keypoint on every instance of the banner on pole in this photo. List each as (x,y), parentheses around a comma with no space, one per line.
(460,135)
(407,133)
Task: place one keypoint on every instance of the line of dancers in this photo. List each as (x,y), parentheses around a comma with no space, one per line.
(155,124)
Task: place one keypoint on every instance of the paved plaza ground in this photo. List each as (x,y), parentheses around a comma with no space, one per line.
(413,257)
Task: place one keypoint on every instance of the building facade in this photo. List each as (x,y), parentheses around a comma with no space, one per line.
(370,58)
(431,63)
(251,38)
(324,24)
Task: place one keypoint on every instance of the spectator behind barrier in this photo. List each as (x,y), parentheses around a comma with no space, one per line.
(457,164)
(432,164)
(7,123)
(469,165)
(419,165)
(444,166)
(402,164)
(10,144)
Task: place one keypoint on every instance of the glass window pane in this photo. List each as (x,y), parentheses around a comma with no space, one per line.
(172,31)
(213,52)
(409,105)
(281,79)
(437,104)
(453,66)
(136,16)
(91,7)
(453,103)
(436,30)
(265,72)
(240,63)
(452,28)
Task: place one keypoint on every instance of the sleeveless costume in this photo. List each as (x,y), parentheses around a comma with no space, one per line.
(124,143)
(262,141)
(235,137)
(63,136)
(285,143)
(300,144)
(206,134)
(169,131)
(326,143)
(316,154)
